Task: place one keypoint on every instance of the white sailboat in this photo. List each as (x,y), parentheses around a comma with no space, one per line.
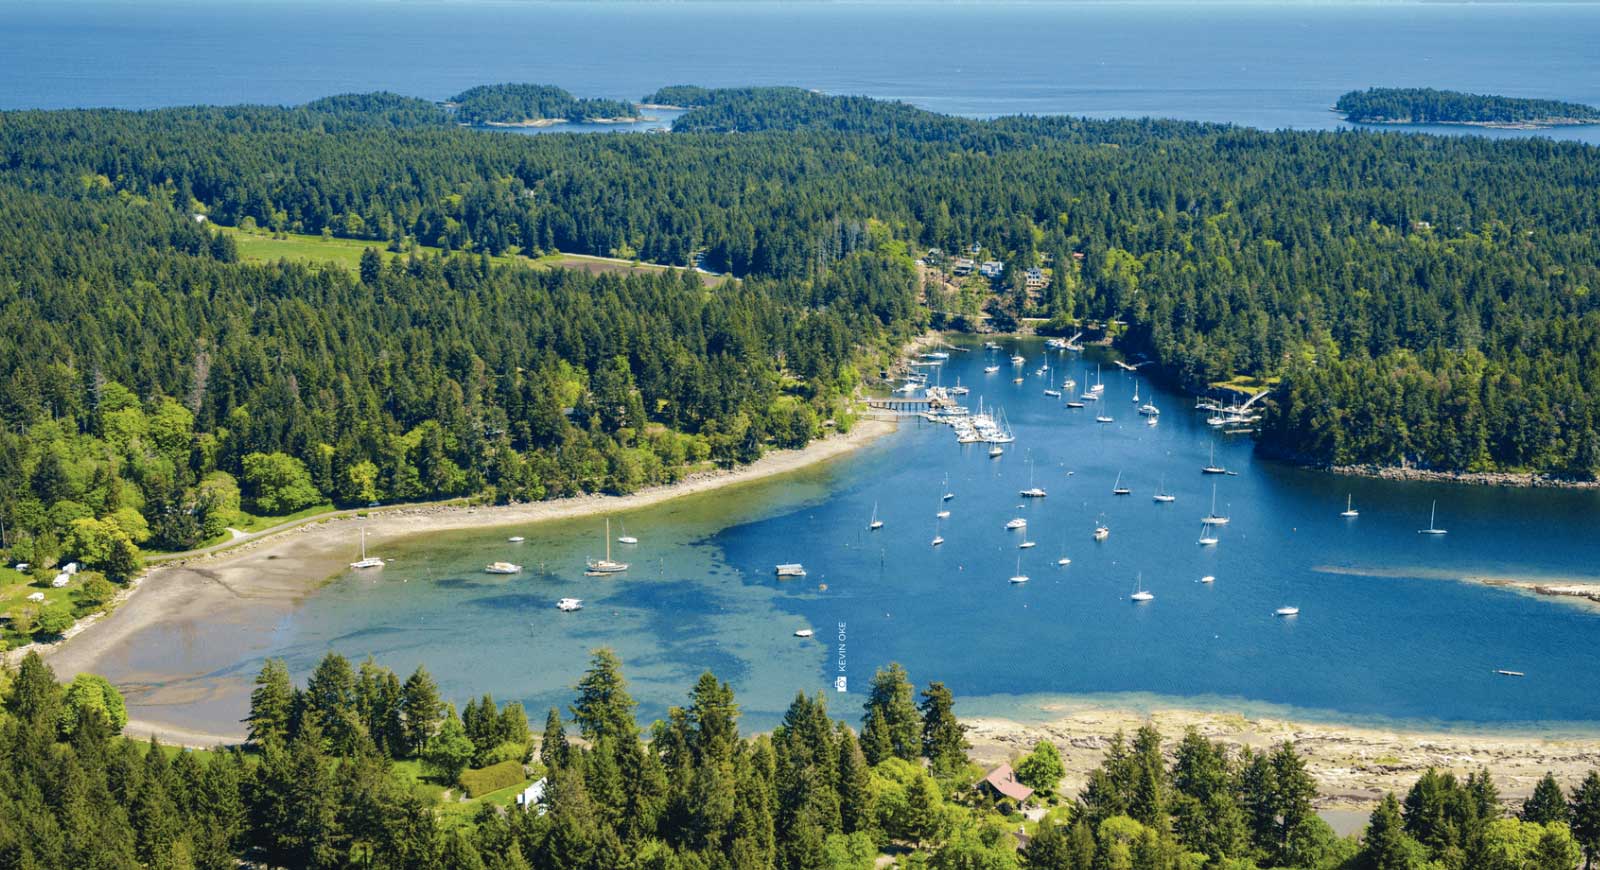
(947,493)
(875,523)
(1099,385)
(1162,496)
(626,538)
(1117,488)
(1136,391)
(1019,577)
(1433,528)
(1211,466)
(600,567)
(1051,390)
(516,539)
(995,451)
(1208,536)
(1214,518)
(937,538)
(1032,491)
(1349,507)
(1140,594)
(366,561)
(1101,530)
(1104,418)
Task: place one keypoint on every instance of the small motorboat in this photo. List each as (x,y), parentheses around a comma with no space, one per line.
(568,605)
(1287,611)
(515,539)
(804,632)
(1208,579)
(501,568)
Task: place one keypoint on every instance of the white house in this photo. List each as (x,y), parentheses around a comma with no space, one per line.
(533,796)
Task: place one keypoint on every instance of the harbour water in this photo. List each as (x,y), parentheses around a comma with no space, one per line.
(1389,631)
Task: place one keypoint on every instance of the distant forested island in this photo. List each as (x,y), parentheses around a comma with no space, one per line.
(527,104)
(1430,106)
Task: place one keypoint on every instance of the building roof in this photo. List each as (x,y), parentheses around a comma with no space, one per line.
(1003,780)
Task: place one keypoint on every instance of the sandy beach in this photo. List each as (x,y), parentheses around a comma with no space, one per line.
(1353,765)
(196,596)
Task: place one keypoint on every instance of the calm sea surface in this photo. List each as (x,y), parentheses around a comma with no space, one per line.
(1263,65)
(1387,632)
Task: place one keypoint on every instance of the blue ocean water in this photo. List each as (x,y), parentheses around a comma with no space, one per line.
(1266,65)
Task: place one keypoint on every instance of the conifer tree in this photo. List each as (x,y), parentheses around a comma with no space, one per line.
(604,709)
(421,710)
(1547,803)
(553,747)
(944,738)
(893,728)
(271,704)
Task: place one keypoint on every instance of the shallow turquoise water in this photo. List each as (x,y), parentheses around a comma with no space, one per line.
(1384,633)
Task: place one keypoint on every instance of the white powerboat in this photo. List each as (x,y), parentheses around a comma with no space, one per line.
(568,605)
(501,568)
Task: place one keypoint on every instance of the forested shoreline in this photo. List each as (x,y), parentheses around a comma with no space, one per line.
(1416,301)
(347,771)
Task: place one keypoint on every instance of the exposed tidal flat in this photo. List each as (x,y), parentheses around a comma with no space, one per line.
(1380,662)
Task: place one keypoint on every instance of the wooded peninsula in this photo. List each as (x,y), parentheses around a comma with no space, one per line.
(1429,106)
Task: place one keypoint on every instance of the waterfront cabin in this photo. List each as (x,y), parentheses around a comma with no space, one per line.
(1001,783)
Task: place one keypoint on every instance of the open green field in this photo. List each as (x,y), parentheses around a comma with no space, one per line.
(261,247)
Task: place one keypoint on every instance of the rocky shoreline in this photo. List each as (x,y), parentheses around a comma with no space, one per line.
(1474,478)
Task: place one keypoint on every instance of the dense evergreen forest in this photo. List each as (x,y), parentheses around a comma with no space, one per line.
(1417,300)
(346,772)
(1429,106)
(514,103)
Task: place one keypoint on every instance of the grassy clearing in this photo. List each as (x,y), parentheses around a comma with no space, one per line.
(261,247)
(246,522)
(1246,384)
